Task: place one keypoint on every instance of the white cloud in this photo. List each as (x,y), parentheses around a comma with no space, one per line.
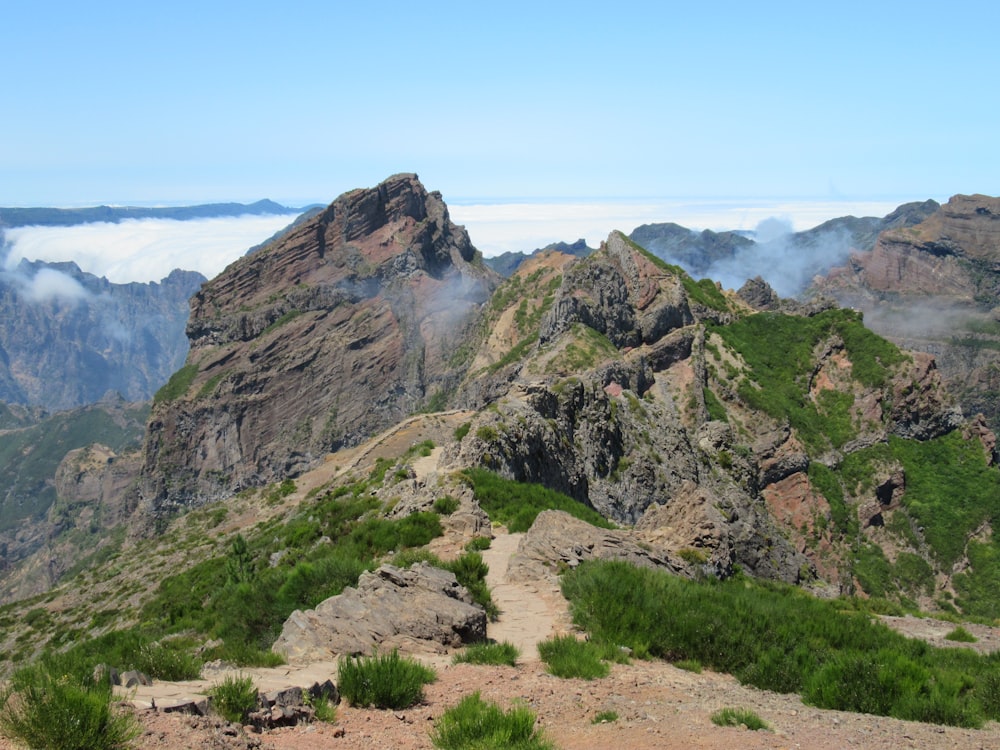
(502,227)
(145,249)
(49,284)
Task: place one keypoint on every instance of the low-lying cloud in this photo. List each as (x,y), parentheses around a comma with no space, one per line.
(145,249)
(496,228)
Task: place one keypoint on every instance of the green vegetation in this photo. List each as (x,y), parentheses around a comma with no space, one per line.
(29,456)
(489,652)
(704,291)
(287,317)
(462,430)
(716,411)
(474,723)
(776,637)
(779,351)
(46,706)
(604,717)
(242,599)
(585,348)
(517,504)
(383,680)
(177,385)
(736,717)
(961,635)
(234,697)
(445,505)
(568,657)
(478,544)
(689,665)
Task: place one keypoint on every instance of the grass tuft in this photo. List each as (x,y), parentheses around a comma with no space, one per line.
(234,697)
(475,723)
(735,717)
(383,680)
(489,652)
(567,656)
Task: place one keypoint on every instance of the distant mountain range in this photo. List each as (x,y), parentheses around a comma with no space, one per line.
(67,217)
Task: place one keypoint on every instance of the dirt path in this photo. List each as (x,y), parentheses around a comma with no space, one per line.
(529,612)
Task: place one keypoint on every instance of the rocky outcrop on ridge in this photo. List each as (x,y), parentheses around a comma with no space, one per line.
(342,327)
(420,608)
(935,287)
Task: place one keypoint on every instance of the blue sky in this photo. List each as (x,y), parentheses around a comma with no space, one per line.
(188,102)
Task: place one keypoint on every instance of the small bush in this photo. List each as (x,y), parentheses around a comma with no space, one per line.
(445,505)
(605,717)
(961,635)
(470,571)
(474,723)
(234,697)
(566,656)
(478,544)
(734,717)
(383,680)
(47,708)
(462,430)
(489,653)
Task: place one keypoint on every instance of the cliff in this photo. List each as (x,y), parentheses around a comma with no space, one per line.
(935,287)
(340,328)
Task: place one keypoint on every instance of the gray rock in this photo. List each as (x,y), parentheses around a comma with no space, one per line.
(420,607)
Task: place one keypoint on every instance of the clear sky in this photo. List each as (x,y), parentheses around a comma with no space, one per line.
(186,102)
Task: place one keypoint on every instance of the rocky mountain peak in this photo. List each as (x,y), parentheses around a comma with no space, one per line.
(339,328)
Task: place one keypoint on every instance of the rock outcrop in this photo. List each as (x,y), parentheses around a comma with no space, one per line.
(340,328)
(69,337)
(422,608)
(935,287)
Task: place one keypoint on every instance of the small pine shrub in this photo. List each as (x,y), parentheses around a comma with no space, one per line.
(489,653)
(383,680)
(44,707)
(568,657)
(234,697)
(475,723)
(734,717)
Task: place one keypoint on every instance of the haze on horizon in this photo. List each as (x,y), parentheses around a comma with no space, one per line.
(194,103)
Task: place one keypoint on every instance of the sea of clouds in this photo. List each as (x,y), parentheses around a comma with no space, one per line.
(149,249)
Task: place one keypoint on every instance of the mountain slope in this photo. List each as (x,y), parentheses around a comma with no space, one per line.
(343,326)
(935,287)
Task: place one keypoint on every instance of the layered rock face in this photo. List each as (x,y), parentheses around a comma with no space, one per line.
(338,329)
(935,287)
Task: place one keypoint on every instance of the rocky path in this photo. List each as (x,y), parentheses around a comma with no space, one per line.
(529,611)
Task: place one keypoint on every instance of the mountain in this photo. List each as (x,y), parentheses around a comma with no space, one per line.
(365,385)
(934,286)
(506,263)
(787,260)
(69,337)
(349,322)
(65,217)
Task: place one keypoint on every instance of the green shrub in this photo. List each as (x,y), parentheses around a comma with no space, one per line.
(45,707)
(961,635)
(234,697)
(462,430)
(689,665)
(383,680)
(735,717)
(488,653)
(470,571)
(567,656)
(177,385)
(779,638)
(478,544)
(445,505)
(474,723)
(517,504)
(602,717)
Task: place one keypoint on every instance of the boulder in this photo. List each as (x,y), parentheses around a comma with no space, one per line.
(419,608)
